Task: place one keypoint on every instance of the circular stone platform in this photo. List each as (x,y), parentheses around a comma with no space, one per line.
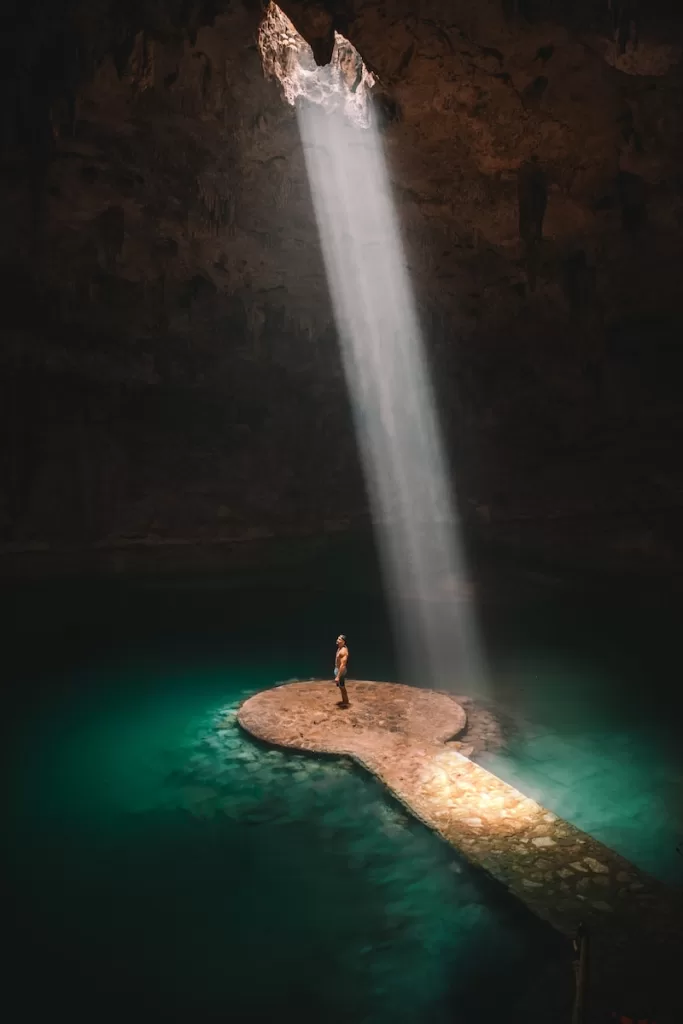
(307,716)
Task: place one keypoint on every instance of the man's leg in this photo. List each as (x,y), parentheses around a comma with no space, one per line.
(342,690)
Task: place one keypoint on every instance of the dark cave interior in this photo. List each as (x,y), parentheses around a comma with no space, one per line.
(170,364)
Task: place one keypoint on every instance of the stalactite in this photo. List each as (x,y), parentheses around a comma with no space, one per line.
(532,195)
(255,319)
(304,325)
(141,64)
(624,14)
(217,210)
(110,233)
(579,283)
(283,192)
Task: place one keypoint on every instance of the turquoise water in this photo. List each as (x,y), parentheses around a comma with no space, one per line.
(164,863)
(594,720)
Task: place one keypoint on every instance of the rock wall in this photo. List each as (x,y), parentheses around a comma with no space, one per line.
(169,360)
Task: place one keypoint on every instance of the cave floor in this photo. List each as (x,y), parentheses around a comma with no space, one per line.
(407,737)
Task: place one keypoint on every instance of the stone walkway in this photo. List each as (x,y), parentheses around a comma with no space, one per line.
(407,737)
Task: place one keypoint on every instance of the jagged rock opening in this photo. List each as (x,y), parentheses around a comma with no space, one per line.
(343,84)
(170,368)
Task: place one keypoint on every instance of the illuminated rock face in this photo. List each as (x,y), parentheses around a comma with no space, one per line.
(161,268)
(343,85)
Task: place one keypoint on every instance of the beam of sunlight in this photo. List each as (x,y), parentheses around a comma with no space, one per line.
(386,371)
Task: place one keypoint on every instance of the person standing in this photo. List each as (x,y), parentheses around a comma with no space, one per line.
(340,663)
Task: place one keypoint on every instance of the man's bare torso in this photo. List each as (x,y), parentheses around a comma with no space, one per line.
(341,659)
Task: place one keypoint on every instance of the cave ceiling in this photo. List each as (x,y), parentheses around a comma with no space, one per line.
(171,175)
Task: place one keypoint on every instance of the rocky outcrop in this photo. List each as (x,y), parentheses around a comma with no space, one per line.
(169,356)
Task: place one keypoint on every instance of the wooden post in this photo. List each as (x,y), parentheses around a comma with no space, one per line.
(581,947)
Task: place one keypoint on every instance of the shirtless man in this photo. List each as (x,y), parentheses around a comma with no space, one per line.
(340,663)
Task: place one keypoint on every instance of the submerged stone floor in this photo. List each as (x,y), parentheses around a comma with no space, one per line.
(408,738)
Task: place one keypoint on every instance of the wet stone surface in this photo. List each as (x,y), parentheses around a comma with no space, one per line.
(408,738)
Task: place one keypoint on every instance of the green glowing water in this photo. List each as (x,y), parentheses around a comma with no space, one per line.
(164,862)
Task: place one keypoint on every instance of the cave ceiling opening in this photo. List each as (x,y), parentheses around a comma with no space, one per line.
(344,84)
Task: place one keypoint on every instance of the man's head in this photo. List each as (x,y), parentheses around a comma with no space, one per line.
(341,640)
